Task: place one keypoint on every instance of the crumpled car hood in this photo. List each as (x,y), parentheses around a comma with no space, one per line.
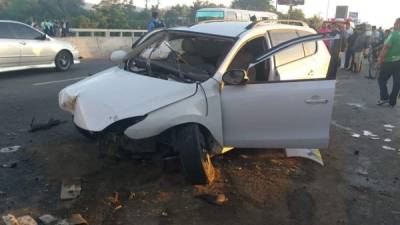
(116,94)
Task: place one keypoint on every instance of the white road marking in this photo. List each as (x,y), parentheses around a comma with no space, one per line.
(58,81)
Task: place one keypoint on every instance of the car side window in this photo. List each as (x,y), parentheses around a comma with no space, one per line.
(5,31)
(310,48)
(288,55)
(25,32)
(248,54)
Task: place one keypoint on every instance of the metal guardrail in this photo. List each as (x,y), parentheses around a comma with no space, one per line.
(83,32)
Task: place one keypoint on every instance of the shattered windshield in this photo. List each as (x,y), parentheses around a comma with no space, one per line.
(182,56)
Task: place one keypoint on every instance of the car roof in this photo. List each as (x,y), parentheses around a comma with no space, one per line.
(10,21)
(235,28)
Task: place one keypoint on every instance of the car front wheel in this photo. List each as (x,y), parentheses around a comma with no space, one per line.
(63,61)
(193,151)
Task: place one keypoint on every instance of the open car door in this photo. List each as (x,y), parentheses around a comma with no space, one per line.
(280,114)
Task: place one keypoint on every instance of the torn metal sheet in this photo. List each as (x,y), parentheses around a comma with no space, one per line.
(312,154)
(10,149)
(388,148)
(354,135)
(390,126)
(70,189)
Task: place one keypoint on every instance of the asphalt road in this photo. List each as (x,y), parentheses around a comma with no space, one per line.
(359,183)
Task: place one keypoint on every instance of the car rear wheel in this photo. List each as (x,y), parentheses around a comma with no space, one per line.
(193,151)
(63,61)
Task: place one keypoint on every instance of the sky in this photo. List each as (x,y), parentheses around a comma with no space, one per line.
(380,13)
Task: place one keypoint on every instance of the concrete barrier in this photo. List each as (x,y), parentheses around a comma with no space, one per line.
(99,47)
(100,43)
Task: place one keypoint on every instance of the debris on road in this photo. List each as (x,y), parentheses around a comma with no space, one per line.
(164,213)
(132,195)
(62,222)
(355,135)
(10,219)
(387,140)
(9,165)
(10,149)
(115,202)
(388,148)
(215,199)
(356,105)
(47,219)
(45,126)
(26,220)
(369,133)
(362,171)
(70,189)
(356,152)
(374,138)
(389,130)
(77,219)
(389,126)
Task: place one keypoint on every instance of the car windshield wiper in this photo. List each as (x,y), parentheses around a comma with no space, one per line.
(178,57)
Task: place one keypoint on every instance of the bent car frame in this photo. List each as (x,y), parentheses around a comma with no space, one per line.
(198,91)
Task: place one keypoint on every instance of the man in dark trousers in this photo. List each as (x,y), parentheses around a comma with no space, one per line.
(390,67)
(350,52)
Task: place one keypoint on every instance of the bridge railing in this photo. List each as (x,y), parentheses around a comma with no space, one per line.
(83,32)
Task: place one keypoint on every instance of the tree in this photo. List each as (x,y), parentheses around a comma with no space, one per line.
(257,5)
(177,16)
(293,14)
(315,21)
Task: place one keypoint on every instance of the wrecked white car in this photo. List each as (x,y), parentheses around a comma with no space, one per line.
(201,90)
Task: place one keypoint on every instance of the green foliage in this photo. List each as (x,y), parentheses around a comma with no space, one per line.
(122,14)
(257,5)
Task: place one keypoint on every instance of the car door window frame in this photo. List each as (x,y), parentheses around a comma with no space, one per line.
(281,47)
(14,27)
(267,46)
(272,44)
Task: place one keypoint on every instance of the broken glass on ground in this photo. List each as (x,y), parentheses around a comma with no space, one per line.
(70,188)
(10,149)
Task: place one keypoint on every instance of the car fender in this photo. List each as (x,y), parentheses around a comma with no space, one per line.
(202,108)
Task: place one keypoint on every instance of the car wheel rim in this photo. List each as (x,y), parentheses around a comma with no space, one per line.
(63,61)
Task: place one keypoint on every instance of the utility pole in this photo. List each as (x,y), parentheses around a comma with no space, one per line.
(327,10)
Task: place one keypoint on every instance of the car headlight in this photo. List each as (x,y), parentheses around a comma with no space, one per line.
(67,102)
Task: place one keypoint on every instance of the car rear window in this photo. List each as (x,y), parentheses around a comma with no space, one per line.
(5,31)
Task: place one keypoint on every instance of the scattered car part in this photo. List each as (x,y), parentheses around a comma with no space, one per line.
(313,154)
(10,149)
(77,219)
(47,219)
(45,126)
(10,219)
(70,188)
(215,199)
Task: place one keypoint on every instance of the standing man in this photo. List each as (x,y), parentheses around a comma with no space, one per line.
(390,67)
(325,29)
(155,22)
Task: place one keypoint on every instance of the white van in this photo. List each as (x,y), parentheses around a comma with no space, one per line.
(232,14)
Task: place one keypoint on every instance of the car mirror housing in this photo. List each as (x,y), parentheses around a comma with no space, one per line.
(235,77)
(118,56)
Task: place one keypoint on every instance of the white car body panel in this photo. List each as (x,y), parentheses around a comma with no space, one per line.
(10,53)
(115,94)
(194,109)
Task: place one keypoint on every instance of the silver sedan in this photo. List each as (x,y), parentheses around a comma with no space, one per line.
(24,47)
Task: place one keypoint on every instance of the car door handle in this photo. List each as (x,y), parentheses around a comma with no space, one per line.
(316,100)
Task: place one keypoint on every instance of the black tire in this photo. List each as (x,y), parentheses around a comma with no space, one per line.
(193,151)
(63,61)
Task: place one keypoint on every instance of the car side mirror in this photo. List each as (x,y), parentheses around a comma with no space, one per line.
(235,77)
(118,56)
